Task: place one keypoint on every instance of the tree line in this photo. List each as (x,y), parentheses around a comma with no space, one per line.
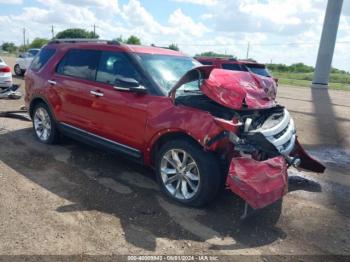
(73,33)
(299,68)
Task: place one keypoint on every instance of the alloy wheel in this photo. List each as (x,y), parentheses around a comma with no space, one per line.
(42,124)
(180,174)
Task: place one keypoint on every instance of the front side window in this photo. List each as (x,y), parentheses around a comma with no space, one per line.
(41,59)
(167,70)
(113,65)
(33,52)
(79,63)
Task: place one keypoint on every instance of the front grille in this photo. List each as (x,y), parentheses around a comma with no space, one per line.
(281,134)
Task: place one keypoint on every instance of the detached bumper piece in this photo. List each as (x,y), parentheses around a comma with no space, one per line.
(307,162)
(259,183)
(10,93)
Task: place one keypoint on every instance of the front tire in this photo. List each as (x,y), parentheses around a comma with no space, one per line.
(187,173)
(44,124)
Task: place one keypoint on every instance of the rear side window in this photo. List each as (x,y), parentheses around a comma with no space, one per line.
(234,67)
(41,59)
(259,70)
(207,63)
(79,63)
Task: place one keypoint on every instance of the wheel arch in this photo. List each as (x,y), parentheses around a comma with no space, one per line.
(165,137)
(37,100)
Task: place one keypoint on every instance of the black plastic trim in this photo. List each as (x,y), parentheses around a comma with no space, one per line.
(100,142)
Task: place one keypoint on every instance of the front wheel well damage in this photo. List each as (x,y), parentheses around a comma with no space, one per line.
(168,137)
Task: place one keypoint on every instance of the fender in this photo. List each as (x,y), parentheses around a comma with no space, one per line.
(165,118)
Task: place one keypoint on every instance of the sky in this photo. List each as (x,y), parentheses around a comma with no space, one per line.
(279,31)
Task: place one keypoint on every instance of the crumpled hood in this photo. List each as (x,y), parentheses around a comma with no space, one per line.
(234,88)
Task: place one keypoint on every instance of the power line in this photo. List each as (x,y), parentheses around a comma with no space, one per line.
(248,47)
(52,32)
(259,44)
(24,38)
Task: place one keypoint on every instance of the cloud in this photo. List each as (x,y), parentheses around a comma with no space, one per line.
(271,16)
(12,2)
(185,24)
(273,27)
(199,2)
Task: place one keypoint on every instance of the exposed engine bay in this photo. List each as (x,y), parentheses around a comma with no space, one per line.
(258,126)
(258,134)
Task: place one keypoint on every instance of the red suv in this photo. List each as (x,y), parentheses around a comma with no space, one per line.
(237,65)
(198,127)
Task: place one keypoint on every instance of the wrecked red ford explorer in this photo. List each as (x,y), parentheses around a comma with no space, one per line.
(198,127)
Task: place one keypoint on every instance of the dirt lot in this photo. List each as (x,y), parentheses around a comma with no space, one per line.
(73,199)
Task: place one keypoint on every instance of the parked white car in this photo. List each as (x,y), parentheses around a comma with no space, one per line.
(24,60)
(5,75)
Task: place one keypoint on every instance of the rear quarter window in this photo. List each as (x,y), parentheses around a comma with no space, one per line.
(206,63)
(41,59)
(234,67)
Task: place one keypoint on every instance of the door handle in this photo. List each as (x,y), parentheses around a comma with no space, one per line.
(96,93)
(52,82)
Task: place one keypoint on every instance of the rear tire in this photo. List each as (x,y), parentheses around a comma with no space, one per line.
(44,124)
(18,70)
(187,173)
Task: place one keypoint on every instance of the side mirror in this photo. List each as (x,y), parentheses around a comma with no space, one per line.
(128,84)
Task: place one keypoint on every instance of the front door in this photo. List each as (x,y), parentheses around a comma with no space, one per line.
(121,114)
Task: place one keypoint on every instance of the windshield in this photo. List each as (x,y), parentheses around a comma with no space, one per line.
(259,70)
(166,70)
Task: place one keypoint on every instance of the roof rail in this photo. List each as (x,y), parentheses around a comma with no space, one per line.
(83,40)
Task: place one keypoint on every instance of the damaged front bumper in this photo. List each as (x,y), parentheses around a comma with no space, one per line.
(261,183)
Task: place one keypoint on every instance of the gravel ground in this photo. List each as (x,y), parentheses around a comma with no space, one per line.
(72,199)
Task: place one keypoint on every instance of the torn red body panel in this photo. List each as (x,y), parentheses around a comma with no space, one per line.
(234,88)
(259,183)
(307,162)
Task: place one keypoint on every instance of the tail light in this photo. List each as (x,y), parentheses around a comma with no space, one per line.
(5,69)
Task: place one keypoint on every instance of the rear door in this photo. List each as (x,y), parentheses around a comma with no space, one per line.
(75,85)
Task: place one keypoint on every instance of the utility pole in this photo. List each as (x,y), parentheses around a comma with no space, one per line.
(53,32)
(327,44)
(248,49)
(24,38)
(94,30)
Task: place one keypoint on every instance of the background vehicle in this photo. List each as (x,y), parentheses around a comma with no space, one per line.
(199,127)
(237,65)
(24,60)
(5,75)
